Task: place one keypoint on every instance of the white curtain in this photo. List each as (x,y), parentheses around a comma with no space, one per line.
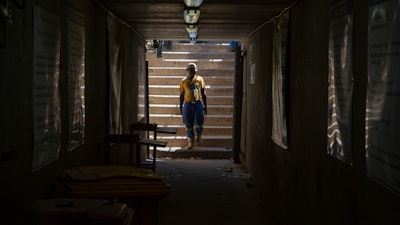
(279,131)
(115,53)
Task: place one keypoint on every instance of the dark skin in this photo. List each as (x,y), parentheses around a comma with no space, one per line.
(190,76)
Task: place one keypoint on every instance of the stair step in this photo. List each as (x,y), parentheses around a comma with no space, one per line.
(174,89)
(172,109)
(196,152)
(219,101)
(212,109)
(209,132)
(204,63)
(173,56)
(205,137)
(201,47)
(176,111)
(197,60)
(167,119)
(198,148)
(205,76)
(172,105)
(217,108)
(181,71)
(210,80)
(221,143)
(177,86)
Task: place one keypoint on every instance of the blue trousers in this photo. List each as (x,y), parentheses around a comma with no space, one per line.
(193,118)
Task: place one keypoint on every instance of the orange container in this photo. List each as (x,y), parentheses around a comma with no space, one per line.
(141,189)
(81,212)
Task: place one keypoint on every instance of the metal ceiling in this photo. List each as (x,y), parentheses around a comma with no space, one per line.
(219,19)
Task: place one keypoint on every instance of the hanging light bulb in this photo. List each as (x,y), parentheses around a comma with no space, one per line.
(191,15)
(193,3)
(192,35)
(192,27)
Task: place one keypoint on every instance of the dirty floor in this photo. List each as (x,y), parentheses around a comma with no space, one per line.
(209,192)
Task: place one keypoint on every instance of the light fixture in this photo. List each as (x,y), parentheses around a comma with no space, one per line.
(193,3)
(192,27)
(191,15)
(192,35)
(193,40)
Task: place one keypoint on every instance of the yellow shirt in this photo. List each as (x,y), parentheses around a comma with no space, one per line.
(192,88)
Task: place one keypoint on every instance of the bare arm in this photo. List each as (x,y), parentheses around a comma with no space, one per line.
(204,97)
(181,98)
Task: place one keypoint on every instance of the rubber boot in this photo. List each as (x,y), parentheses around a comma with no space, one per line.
(191,144)
(198,140)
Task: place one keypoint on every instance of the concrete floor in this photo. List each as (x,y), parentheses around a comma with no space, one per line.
(209,192)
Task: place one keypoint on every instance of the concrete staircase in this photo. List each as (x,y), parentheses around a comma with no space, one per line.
(216,63)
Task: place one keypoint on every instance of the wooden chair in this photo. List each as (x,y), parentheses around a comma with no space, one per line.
(118,138)
(135,128)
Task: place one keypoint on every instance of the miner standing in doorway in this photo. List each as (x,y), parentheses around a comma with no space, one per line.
(193,104)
